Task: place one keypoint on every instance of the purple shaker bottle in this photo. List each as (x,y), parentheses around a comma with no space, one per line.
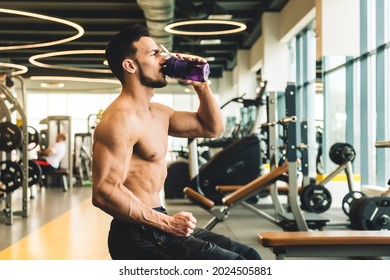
(187,69)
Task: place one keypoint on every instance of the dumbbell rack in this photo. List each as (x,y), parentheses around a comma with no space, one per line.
(10,106)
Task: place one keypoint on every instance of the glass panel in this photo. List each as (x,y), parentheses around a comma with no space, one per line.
(371,30)
(335,122)
(387,21)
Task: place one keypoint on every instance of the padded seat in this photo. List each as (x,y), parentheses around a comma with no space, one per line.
(334,243)
(62,173)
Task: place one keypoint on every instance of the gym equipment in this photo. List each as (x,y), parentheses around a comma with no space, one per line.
(319,163)
(315,197)
(333,243)
(367,212)
(61,174)
(53,126)
(11,136)
(82,157)
(340,153)
(11,175)
(288,221)
(237,164)
(349,199)
(237,197)
(370,213)
(34,138)
(13,111)
(34,172)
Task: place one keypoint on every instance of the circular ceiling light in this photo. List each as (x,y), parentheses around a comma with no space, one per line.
(34,58)
(21,68)
(76,84)
(235,27)
(74,79)
(80,30)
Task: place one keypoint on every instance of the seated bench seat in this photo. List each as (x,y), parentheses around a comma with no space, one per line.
(62,173)
(334,243)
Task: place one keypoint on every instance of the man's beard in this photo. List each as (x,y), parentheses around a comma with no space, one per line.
(149,82)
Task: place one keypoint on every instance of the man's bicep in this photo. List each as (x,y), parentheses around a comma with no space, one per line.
(185,124)
(110,162)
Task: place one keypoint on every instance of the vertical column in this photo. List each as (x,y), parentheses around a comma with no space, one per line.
(382,117)
(309,91)
(291,156)
(364,97)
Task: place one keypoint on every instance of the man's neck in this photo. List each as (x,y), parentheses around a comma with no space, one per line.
(140,95)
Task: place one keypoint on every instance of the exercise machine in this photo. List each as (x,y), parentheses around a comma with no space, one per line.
(289,221)
(237,163)
(83,158)
(52,126)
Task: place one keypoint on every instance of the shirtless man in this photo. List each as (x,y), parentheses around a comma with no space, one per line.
(129,167)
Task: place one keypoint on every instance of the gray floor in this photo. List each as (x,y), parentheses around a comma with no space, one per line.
(47,204)
(242,224)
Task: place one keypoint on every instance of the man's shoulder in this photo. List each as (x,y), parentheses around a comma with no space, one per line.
(161,108)
(118,122)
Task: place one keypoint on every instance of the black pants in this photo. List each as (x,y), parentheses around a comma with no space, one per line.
(133,241)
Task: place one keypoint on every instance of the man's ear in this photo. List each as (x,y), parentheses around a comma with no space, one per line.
(129,65)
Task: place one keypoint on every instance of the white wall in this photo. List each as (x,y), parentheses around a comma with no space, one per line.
(338,27)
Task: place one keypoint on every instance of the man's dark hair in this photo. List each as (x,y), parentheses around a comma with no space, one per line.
(121,47)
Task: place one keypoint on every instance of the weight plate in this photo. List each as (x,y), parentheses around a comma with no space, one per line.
(34,172)
(315,198)
(33,138)
(375,215)
(10,136)
(355,213)
(11,175)
(349,199)
(341,153)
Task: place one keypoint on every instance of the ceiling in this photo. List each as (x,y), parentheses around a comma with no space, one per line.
(102,19)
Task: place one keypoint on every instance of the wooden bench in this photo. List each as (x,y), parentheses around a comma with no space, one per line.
(325,244)
(62,173)
(236,197)
(282,190)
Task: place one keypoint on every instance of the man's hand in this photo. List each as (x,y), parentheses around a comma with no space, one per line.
(190,82)
(182,224)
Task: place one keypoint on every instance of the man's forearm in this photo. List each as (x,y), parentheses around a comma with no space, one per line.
(209,111)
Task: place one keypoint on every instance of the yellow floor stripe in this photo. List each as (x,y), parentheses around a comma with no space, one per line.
(339,177)
(79,234)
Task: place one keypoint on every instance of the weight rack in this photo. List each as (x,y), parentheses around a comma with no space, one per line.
(9,107)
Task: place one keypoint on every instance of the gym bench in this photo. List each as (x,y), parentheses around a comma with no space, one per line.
(62,173)
(237,197)
(282,190)
(343,243)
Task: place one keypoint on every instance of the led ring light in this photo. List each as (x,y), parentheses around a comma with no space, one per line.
(22,69)
(74,79)
(239,27)
(43,17)
(33,60)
